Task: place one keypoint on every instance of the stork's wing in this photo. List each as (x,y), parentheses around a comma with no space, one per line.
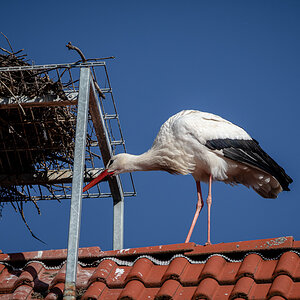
(250,153)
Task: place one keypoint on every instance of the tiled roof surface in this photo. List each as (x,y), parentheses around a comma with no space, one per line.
(262,269)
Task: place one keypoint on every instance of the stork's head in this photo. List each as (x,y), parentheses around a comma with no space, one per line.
(120,163)
(116,165)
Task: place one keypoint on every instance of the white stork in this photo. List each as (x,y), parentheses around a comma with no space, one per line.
(209,148)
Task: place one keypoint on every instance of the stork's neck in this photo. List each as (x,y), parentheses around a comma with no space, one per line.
(147,161)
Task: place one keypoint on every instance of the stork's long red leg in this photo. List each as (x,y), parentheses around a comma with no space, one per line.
(209,201)
(198,209)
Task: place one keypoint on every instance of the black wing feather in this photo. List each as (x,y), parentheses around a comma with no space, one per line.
(249,152)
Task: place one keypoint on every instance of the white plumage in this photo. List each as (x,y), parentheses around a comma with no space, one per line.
(209,148)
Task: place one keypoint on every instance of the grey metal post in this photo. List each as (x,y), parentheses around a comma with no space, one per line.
(118,224)
(114,182)
(77,184)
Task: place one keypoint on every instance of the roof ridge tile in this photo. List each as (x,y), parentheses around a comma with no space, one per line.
(286,242)
(165,249)
(54,254)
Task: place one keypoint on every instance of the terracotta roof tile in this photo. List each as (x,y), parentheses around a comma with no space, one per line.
(22,292)
(242,287)
(214,268)
(206,289)
(191,274)
(168,289)
(56,291)
(109,294)
(58,277)
(249,266)
(175,269)
(287,264)
(102,271)
(149,293)
(277,298)
(294,292)
(154,278)
(263,269)
(132,290)
(94,290)
(259,291)
(141,270)
(229,272)
(29,274)
(8,277)
(281,286)
(117,276)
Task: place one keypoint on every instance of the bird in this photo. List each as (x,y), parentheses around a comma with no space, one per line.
(209,148)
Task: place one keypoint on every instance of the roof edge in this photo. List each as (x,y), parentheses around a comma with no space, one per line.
(285,242)
(188,249)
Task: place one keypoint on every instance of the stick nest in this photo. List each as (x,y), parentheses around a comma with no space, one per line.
(33,138)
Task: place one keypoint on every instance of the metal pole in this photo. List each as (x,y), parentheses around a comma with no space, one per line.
(114,182)
(77,184)
(118,228)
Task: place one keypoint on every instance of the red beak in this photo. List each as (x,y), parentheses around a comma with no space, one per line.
(99,178)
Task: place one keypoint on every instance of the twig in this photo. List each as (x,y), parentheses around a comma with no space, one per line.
(19,104)
(8,42)
(4,50)
(71,47)
(20,208)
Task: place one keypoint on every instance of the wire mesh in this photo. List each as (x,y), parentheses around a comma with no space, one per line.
(37,137)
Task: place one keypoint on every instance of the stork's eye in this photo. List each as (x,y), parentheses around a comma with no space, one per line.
(110,162)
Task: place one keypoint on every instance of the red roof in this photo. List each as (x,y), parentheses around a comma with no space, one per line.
(261,269)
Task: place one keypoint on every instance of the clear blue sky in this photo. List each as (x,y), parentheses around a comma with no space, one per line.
(238,59)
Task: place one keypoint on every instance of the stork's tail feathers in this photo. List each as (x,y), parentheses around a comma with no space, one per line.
(268,187)
(268,178)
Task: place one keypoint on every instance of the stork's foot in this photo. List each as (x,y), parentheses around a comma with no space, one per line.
(207,243)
